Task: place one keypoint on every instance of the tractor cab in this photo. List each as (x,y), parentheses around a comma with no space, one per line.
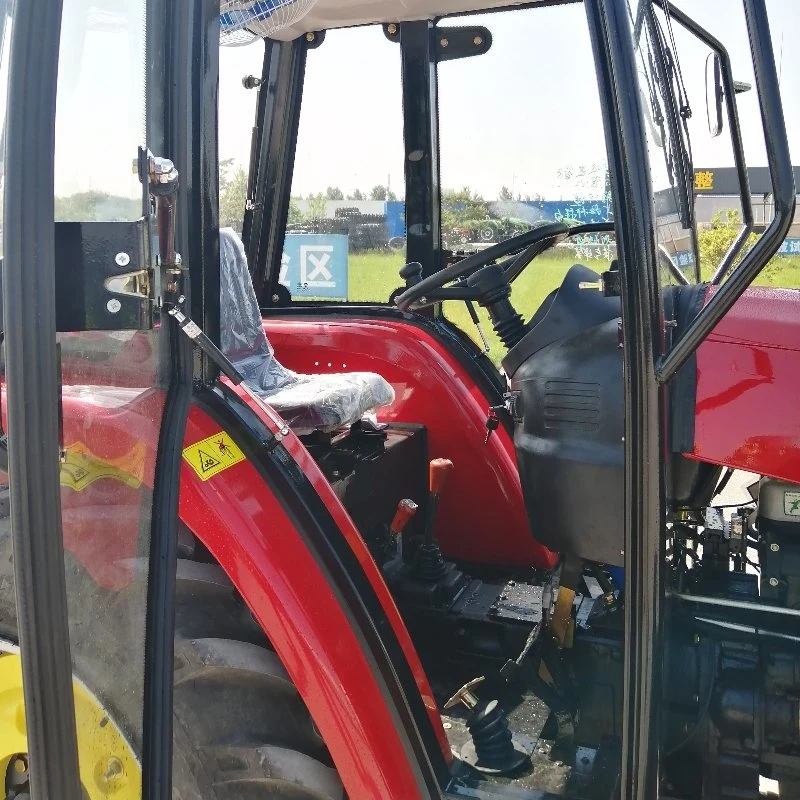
(385,432)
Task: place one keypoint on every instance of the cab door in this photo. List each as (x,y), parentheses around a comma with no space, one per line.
(94,404)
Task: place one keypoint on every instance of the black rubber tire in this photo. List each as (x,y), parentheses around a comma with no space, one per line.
(241,730)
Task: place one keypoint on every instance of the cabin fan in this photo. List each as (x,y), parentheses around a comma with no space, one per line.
(241,21)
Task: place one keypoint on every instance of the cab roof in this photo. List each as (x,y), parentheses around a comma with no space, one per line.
(327,14)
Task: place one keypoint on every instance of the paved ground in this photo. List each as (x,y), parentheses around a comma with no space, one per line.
(736,490)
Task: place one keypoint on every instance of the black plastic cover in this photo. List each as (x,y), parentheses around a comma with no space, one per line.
(570,400)
(564,313)
(566,377)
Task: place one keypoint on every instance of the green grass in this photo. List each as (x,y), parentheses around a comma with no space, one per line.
(374,276)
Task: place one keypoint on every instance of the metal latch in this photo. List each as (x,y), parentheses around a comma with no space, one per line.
(131,284)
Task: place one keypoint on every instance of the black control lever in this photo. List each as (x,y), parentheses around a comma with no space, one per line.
(411,273)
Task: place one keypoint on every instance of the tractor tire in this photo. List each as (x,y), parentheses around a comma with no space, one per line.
(240,728)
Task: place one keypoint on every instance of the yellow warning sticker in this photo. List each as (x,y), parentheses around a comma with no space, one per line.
(81,467)
(212,455)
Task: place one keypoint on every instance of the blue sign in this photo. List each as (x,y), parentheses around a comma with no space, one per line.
(580,210)
(790,247)
(395,218)
(683,258)
(315,265)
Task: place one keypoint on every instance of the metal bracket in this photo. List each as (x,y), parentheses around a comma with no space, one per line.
(104,276)
(461,42)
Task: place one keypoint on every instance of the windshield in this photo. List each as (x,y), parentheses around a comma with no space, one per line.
(519,149)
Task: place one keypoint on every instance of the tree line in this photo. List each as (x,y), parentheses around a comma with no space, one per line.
(458,205)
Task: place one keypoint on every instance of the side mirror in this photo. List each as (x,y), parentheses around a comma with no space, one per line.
(714,94)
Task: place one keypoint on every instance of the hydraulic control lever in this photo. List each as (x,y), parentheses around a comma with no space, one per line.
(429,564)
(406,510)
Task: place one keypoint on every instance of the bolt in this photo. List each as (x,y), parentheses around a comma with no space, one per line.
(310,37)
(182,299)
(773,582)
(113,769)
(275,298)
(477,40)
(443,42)
(391,28)
(447,725)
(122,259)
(696,638)
(113,305)
(774,547)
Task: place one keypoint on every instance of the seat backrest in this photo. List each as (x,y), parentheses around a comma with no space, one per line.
(242,336)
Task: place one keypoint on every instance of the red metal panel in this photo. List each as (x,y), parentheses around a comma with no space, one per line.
(248,531)
(481,514)
(748,383)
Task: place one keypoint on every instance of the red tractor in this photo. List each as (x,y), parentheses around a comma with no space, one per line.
(264,548)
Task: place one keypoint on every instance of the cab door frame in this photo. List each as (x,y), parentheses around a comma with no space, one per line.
(33,398)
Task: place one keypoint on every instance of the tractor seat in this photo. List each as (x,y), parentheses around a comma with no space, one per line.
(308,403)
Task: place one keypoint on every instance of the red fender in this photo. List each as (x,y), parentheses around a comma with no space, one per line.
(482,515)
(247,530)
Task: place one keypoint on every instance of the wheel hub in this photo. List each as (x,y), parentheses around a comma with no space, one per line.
(108,765)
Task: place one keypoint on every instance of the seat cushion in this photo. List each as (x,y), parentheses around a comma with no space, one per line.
(307,402)
(330,402)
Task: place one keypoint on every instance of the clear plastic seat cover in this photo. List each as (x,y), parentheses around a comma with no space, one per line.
(325,402)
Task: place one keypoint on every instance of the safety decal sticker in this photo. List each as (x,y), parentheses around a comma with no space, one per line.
(791,504)
(212,455)
(80,467)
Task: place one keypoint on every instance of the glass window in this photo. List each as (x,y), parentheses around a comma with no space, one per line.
(521,143)
(345,236)
(100,110)
(712,187)
(111,407)
(237,110)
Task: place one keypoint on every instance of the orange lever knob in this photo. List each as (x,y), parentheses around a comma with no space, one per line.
(440,470)
(405,511)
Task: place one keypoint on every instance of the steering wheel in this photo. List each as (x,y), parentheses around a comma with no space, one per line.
(518,252)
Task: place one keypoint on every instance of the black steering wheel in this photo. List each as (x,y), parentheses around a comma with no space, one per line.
(518,252)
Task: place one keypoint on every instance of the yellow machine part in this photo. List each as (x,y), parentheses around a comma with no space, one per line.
(108,765)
